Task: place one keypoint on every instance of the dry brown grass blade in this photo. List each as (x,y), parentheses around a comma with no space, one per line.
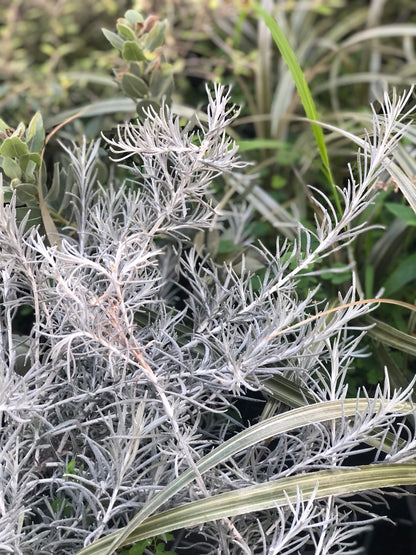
(342,307)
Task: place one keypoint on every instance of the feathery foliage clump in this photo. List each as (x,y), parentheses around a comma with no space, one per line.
(121,398)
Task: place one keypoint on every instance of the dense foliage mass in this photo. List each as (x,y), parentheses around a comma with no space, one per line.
(166,375)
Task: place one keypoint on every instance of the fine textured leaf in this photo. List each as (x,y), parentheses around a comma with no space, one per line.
(140,346)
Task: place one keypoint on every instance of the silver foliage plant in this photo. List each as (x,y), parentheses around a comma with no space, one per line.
(140,347)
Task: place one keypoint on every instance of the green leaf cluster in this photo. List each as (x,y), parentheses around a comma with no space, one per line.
(146,78)
(43,192)
(20,156)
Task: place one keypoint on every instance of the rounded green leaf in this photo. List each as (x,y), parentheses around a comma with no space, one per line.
(11,168)
(115,41)
(27,192)
(35,134)
(13,147)
(7,194)
(29,162)
(136,69)
(404,212)
(33,214)
(131,52)
(156,36)
(133,17)
(160,84)
(133,86)
(404,273)
(3,126)
(125,31)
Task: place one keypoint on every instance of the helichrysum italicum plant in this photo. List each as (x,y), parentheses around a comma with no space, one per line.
(119,400)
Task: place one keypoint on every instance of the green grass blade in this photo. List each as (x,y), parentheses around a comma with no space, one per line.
(319,485)
(391,336)
(404,182)
(303,90)
(281,492)
(253,144)
(266,429)
(288,392)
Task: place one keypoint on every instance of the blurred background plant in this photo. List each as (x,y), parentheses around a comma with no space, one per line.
(54,56)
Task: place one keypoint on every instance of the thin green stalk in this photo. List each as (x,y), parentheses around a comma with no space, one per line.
(304,93)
